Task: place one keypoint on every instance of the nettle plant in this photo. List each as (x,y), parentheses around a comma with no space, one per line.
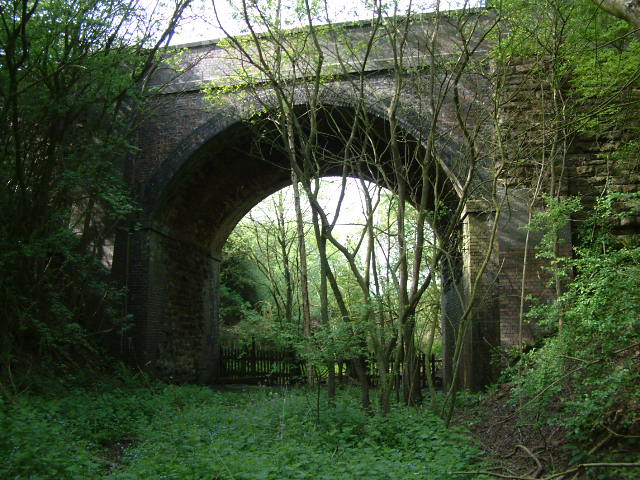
(590,363)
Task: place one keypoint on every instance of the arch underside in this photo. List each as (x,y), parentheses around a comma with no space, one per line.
(205,193)
(245,163)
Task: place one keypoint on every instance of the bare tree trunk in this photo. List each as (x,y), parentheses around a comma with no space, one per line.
(304,275)
(628,10)
(324,299)
(286,264)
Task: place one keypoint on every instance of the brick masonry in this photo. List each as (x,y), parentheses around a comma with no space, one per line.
(586,167)
(196,177)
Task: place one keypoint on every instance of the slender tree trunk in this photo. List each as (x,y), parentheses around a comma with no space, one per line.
(324,299)
(304,280)
(410,370)
(286,265)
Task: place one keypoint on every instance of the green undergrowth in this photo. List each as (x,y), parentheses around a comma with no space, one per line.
(156,431)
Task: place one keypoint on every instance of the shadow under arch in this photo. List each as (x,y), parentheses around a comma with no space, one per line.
(193,202)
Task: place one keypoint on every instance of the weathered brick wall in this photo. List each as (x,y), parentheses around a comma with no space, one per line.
(584,164)
(480,253)
(593,166)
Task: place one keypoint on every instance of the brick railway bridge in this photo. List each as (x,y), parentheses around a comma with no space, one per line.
(195,179)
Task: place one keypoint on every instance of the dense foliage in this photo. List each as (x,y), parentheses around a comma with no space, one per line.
(584,377)
(260,279)
(70,90)
(586,68)
(240,283)
(132,431)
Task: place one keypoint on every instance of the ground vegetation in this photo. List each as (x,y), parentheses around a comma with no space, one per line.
(131,428)
(72,81)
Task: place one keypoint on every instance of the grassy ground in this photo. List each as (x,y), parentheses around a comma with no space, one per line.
(149,431)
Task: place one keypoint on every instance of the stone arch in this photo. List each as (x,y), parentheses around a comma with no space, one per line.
(190,205)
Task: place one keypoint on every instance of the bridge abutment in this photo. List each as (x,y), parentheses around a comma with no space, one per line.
(471,314)
(173,299)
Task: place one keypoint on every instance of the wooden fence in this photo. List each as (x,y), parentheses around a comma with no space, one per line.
(253,364)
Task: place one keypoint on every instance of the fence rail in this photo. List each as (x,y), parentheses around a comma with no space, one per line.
(254,364)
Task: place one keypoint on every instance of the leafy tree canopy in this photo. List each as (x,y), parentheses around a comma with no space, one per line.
(71,85)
